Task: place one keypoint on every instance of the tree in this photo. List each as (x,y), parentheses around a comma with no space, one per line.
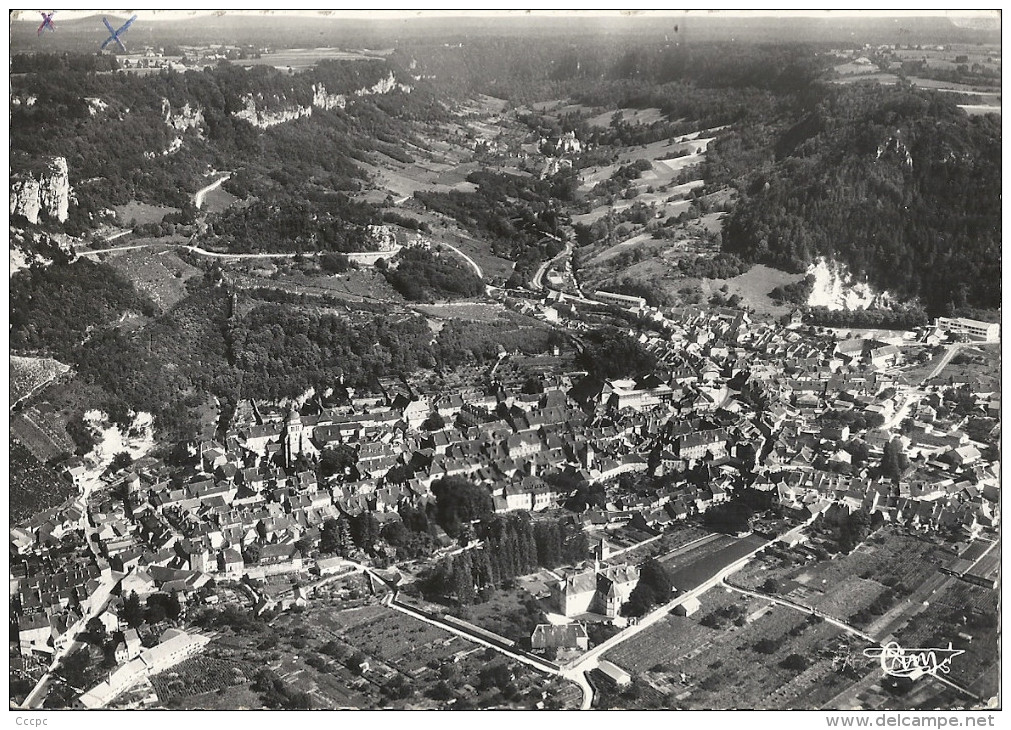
(95,631)
(610,353)
(334,536)
(364,531)
(434,422)
(731,517)
(334,460)
(398,688)
(459,501)
(334,263)
(121,461)
(133,612)
(655,586)
(795,662)
(894,460)
(74,668)
(441,691)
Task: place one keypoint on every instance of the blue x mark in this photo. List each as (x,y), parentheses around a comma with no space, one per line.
(116,33)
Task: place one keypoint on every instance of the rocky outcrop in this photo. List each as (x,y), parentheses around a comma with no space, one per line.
(255,112)
(264,119)
(183,119)
(323,100)
(383,238)
(384,86)
(42,194)
(31,247)
(835,289)
(894,148)
(174,146)
(95,105)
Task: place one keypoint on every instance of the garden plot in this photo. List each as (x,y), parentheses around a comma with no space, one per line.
(30,374)
(160,274)
(943,621)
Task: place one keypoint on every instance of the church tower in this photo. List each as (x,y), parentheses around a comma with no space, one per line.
(293,437)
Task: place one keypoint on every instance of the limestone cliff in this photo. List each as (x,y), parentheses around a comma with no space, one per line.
(29,247)
(182,119)
(835,288)
(263,118)
(42,192)
(268,112)
(324,100)
(384,86)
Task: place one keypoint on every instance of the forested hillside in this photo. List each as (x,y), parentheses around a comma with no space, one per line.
(899,184)
(117,130)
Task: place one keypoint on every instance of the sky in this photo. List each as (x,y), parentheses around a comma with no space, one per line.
(154,15)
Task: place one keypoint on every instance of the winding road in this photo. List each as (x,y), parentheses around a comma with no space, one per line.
(219,255)
(198,199)
(465,257)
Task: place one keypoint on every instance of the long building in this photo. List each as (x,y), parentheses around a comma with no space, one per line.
(973,328)
(620,299)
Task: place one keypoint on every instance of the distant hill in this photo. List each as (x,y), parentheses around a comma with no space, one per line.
(84,34)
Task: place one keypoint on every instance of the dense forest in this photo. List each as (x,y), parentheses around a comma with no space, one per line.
(283,345)
(610,353)
(54,307)
(281,351)
(421,276)
(335,224)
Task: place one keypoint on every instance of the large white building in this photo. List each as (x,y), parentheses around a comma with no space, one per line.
(620,299)
(602,590)
(969,327)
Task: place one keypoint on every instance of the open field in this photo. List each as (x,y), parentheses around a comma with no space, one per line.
(508,614)
(142,213)
(302,58)
(30,374)
(693,567)
(902,569)
(158,273)
(672,539)
(674,638)
(979,668)
(853,73)
(396,645)
(977,365)
(329,653)
(493,267)
(217,200)
(355,285)
(646,116)
(979,109)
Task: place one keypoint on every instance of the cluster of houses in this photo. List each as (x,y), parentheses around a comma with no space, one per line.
(800,414)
